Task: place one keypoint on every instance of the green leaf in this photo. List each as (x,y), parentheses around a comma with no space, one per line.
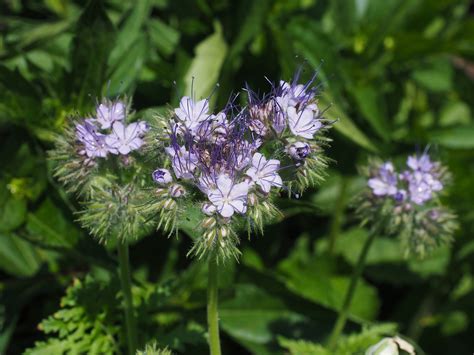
(461,137)
(12,210)
(129,32)
(128,70)
(165,38)
(91,48)
(49,226)
(206,65)
(345,125)
(435,75)
(313,277)
(17,256)
(371,107)
(455,113)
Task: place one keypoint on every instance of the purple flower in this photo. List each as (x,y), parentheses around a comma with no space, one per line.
(110,112)
(176,191)
(421,163)
(229,197)
(183,162)
(125,138)
(385,183)
(191,113)
(208,208)
(162,176)
(303,123)
(94,142)
(298,150)
(264,172)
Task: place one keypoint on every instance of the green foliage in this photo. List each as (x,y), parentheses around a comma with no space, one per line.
(395,76)
(356,343)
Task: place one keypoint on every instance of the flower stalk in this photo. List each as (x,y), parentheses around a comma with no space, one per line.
(125,282)
(212,302)
(344,311)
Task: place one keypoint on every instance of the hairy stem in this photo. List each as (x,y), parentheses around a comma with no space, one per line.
(125,281)
(344,311)
(212,314)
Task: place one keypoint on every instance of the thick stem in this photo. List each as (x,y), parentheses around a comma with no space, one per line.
(212,314)
(125,281)
(343,313)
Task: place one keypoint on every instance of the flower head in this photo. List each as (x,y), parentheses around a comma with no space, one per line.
(125,138)
(264,172)
(229,197)
(109,112)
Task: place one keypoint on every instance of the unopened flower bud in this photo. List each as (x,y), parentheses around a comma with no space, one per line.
(208,208)
(162,176)
(176,190)
(208,223)
(169,204)
(252,199)
(298,150)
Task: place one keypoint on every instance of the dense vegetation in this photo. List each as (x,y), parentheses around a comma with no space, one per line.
(396,75)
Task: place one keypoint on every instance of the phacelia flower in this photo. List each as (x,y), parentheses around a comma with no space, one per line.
(125,138)
(298,150)
(93,142)
(109,112)
(385,182)
(303,123)
(229,197)
(405,203)
(218,157)
(264,172)
(191,113)
(162,176)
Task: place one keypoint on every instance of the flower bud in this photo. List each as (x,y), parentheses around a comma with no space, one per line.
(169,204)
(298,150)
(176,190)
(252,199)
(162,176)
(208,208)
(386,346)
(208,223)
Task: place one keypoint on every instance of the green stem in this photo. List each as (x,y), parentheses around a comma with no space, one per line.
(125,281)
(343,313)
(212,314)
(338,216)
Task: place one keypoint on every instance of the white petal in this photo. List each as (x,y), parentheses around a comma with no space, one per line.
(224,184)
(239,206)
(226,210)
(239,191)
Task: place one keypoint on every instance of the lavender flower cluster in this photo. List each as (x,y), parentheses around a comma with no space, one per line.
(108,133)
(418,183)
(405,203)
(234,161)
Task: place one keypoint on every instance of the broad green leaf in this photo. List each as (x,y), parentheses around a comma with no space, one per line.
(17,256)
(130,31)
(455,113)
(127,71)
(435,75)
(461,137)
(313,277)
(90,52)
(12,210)
(206,65)
(345,125)
(49,226)
(165,38)
(371,106)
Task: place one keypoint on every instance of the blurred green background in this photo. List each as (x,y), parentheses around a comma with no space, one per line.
(398,75)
